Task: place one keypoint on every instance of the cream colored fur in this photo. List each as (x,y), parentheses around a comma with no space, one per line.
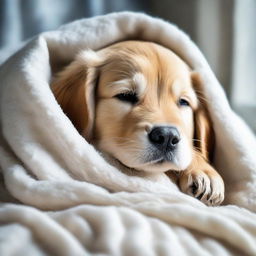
(47,165)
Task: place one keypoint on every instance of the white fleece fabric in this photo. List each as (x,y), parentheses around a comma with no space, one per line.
(66,199)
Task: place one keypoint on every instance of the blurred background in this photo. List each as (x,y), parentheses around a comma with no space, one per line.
(225,31)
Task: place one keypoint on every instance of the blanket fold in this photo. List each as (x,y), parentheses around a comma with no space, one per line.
(48,166)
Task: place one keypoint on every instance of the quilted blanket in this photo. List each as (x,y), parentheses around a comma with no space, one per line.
(60,196)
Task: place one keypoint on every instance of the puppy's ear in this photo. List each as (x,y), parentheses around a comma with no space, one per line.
(74,90)
(203,133)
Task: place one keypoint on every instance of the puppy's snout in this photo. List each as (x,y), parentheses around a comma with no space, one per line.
(164,137)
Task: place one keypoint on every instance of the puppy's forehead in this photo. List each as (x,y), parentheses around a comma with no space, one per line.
(145,64)
(162,68)
(155,61)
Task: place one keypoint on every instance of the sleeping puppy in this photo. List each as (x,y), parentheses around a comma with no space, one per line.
(141,104)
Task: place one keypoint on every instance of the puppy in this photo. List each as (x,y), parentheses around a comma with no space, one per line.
(141,104)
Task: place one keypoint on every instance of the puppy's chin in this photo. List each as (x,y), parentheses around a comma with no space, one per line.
(179,162)
(161,166)
(155,166)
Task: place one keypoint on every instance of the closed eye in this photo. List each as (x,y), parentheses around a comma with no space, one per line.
(183,102)
(130,97)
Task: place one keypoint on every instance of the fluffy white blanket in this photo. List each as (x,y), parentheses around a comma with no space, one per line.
(70,201)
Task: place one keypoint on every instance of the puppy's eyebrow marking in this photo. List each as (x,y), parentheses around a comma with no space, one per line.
(137,83)
(176,87)
(125,82)
(123,85)
(140,82)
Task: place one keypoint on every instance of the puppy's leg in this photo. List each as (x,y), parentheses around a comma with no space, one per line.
(202,181)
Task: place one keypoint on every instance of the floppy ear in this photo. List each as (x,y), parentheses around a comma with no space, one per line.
(74,90)
(203,133)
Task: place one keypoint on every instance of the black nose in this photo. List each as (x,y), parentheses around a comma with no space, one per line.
(164,137)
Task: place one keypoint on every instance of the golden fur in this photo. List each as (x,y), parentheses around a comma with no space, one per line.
(89,91)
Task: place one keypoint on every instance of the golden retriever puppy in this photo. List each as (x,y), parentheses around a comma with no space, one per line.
(140,103)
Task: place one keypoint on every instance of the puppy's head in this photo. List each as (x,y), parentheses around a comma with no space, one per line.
(136,101)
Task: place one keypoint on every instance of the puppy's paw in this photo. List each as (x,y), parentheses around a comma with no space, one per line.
(205,185)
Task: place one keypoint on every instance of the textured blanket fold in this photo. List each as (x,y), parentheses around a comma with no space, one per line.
(72,201)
